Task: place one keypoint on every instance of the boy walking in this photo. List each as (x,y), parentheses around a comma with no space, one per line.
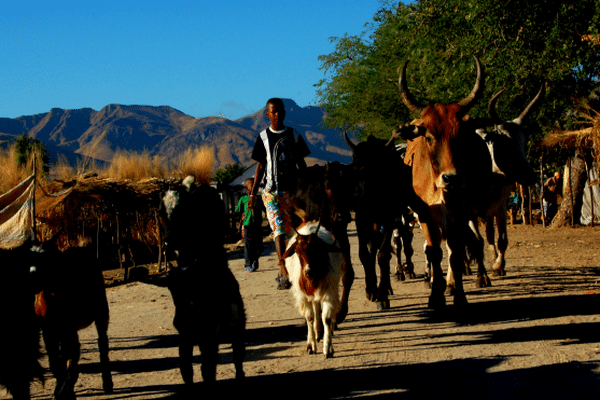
(251,228)
(279,152)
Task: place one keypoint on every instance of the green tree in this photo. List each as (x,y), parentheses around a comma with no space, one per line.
(522,44)
(226,175)
(25,146)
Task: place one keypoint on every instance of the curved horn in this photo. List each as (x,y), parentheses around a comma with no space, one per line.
(392,139)
(469,101)
(529,107)
(349,142)
(492,107)
(407,99)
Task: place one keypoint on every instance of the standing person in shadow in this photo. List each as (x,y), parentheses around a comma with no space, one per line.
(279,152)
(251,228)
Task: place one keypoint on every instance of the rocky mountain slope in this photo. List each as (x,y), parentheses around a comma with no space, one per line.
(167,132)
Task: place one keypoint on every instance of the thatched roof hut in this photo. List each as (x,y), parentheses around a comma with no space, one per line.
(581,199)
(587,138)
(106,212)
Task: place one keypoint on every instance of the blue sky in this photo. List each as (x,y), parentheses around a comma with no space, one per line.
(201,57)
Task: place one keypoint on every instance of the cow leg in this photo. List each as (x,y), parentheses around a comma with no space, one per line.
(347,273)
(368,261)
(71,348)
(209,352)
(239,353)
(457,255)
(58,367)
(328,324)
(500,262)
(383,260)
(186,352)
(309,314)
(437,299)
(407,237)
(397,243)
(475,246)
(107,383)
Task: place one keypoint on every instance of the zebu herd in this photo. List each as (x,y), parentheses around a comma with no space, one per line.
(452,174)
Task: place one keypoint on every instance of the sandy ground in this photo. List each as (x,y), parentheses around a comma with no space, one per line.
(534,334)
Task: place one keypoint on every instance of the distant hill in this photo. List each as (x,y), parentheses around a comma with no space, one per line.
(167,132)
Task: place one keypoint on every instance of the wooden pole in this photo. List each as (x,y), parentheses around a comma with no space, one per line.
(542,190)
(33,229)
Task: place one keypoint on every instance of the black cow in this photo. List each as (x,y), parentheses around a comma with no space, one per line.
(208,306)
(385,191)
(19,332)
(72,296)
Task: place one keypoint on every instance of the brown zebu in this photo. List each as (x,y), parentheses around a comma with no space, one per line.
(72,297)
(324,193)
(19,332)
(451,171)
(384,191)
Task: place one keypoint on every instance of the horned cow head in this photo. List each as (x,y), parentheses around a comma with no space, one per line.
(439,127)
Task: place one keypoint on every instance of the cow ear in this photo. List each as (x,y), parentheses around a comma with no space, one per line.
(409,132)
(289,251)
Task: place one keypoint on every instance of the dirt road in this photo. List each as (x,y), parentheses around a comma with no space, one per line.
(534,334)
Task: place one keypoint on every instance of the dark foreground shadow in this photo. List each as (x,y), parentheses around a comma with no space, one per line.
(448,380)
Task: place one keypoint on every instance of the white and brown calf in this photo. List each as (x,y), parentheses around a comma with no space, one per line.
(315,263)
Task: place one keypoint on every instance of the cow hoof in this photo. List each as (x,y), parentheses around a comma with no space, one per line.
(427,283)
(283,283)
(436,302)
(498,272)
(400,276)
(460,300)
(483,281)
(412,275)
(329,354)
(449,290)
(371,296)
(108,387)
(383,305)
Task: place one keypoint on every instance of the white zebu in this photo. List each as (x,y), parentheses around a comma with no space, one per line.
(315,263)
(509,166)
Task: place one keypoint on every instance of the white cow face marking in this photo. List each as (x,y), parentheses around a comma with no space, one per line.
(170,201)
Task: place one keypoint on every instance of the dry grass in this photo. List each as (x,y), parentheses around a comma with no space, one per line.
(133,166)
(12,172)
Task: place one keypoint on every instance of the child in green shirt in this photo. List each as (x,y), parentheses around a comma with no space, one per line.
(251,228)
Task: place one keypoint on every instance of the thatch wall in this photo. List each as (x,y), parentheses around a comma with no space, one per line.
(105,212)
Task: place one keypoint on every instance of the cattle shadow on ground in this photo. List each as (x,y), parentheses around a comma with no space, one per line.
(526,308)
(281,336)
(453,379)
(135,392)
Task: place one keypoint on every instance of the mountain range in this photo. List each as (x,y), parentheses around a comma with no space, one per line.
(167,132)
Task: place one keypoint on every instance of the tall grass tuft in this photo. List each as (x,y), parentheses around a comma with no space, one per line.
(13,172)
(127,165)
(198,162)
(135,166)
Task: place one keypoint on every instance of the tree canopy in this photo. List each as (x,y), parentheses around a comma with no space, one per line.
(522,44)
(26,146)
